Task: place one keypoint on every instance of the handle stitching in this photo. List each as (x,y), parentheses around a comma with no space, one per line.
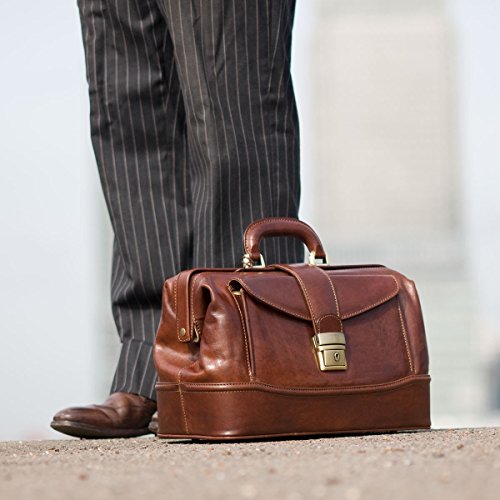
(276,219)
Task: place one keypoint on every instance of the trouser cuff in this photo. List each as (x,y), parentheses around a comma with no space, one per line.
(135,372)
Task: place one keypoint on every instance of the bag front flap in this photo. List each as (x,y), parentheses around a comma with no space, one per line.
(356,294)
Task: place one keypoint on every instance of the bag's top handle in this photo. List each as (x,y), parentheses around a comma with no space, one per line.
(280,226)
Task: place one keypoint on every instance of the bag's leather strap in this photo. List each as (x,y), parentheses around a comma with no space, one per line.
(317,289)
(319,294)
(181,304)
(183,300)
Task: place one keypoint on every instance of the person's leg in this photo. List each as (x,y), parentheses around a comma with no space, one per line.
(138,136)
(138,133)
(233,59)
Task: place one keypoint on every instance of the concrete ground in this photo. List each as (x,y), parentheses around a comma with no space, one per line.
(439,464)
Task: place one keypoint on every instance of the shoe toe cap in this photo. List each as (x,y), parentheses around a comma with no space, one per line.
(87,415)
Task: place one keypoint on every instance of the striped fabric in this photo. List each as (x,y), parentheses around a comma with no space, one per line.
(195,133)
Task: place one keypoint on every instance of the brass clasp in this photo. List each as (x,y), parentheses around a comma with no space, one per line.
(330,351)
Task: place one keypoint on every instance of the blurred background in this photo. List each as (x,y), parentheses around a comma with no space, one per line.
(400,124)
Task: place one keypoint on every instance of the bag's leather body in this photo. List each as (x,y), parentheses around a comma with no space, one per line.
(240,353)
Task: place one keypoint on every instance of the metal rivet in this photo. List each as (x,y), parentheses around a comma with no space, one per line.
(182,332)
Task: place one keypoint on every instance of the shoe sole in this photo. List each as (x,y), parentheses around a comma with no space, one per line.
(77,429)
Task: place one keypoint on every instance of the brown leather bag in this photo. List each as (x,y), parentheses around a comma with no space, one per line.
(288,350)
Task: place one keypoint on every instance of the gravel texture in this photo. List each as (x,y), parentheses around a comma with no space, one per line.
(438,464)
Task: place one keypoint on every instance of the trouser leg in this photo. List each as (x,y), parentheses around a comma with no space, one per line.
(139,140)
(233,59)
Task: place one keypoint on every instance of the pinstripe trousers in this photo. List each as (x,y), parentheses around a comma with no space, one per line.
(195,132)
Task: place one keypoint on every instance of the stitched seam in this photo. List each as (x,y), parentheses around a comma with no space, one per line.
(192,305)
(244,335)
(389,389)
(198,326)
(318,389)
(367,308)
(363,268)
(251,292)
(403,330)
(306,293)
(333,289)
(299,315)
(304,289)
(181,397)
(251,352)
(176,312)
(274,219)
(256,223)
(300,388)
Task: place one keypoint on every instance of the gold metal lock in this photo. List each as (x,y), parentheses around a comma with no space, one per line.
(330,351)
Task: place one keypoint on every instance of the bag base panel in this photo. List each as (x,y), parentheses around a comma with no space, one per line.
(254,411)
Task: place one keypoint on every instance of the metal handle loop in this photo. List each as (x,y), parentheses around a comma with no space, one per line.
(247,262)
(312,259)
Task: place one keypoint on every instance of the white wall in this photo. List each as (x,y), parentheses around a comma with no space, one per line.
(478,36)
(49,202)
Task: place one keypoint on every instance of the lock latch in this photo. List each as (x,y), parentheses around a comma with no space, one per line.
(330,351)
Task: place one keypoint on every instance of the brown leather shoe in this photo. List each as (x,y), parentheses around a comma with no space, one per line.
(122,415)
(153,425)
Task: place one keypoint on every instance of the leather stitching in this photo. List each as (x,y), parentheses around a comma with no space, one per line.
(341,316)
(306,294)
(315,389)
(343,270)
(257,390)
(263,221)
(244,335)
(266,301)
(192,306)
(175,307)
(403,330)
(367,308)
(250,342)
(198,326)
(181,397)
(333,289)
(274,219)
